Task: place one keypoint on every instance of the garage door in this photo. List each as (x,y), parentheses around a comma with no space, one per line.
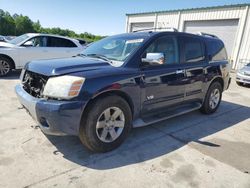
(224,29)
(141,26)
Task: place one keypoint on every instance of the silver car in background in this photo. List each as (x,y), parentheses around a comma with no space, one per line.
(243,75)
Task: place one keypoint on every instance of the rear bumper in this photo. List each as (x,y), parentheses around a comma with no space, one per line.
(242,78)
(54,117)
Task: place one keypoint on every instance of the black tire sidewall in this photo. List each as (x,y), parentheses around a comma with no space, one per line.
(206,107)
(88,127)
(239,83)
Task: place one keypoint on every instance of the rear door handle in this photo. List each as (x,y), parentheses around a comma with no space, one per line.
(180,72)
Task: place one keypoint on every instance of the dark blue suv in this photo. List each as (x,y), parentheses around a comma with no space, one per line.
(124,81)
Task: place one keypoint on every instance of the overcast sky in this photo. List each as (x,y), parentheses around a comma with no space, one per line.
(104,17)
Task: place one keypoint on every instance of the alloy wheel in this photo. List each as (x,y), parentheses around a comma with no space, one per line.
(214,98)
(4,67)
(110,124)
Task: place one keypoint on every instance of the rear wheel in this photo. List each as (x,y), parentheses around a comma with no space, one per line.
(5,66)
(212,99)
(106,125)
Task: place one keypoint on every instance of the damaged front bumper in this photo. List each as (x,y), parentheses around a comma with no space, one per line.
(53,116)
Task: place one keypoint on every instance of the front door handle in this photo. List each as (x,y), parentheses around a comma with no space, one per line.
(180,72)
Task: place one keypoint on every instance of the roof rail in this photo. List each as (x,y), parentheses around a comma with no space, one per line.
(206,34)
(159,28)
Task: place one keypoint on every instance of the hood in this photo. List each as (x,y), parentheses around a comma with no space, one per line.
(6,45)
(55,67)
(246,69)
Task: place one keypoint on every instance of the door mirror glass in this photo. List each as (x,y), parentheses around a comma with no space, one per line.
(154,59)
(28,43)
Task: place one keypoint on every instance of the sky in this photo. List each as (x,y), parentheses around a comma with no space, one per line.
(102,17)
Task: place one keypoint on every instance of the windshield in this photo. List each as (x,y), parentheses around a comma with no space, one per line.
(116,48)
(19,39)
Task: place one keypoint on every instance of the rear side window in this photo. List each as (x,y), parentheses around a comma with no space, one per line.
(60,42)
(216,50)
(193,50)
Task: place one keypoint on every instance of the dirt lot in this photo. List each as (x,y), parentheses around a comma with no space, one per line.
(193,150)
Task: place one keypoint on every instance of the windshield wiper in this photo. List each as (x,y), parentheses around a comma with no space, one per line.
(100,56)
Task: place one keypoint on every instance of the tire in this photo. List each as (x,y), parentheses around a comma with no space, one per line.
(6,66)
(95,124)
(212,101)
(239,83)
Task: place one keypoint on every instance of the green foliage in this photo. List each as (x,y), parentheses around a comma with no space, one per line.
(23,25)
(19,24)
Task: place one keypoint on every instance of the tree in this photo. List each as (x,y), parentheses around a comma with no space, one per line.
(23,25)
(37,26)
(19,24)
(7,23)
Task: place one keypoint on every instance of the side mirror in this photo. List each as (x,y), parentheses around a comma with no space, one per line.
(154,59)
(28,44)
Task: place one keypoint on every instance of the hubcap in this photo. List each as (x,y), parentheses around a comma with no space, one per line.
(4,67)
(110,124)
(214,98)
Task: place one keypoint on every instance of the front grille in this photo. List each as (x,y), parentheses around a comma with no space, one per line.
(34,83)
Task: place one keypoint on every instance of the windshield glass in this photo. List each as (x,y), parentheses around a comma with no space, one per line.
(116,48)
(19,39)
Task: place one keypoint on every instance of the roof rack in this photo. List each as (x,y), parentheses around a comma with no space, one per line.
(206,34)
(159,28)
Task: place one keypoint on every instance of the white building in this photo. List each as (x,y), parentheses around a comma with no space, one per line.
(231,23)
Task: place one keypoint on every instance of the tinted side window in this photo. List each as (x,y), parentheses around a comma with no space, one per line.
(59,42)
(216,50)
(37,41)
(193,50)
(167,45)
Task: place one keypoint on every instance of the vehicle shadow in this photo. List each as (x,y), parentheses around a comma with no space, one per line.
(156,140)
(245,86)
(14,75)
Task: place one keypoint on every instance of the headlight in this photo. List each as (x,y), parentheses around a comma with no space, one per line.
(64,87)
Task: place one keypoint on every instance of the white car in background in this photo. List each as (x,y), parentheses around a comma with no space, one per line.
(15,53)
(3,39)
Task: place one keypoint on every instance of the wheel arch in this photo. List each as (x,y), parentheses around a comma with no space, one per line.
(11,60)
(104,94)
(218,79)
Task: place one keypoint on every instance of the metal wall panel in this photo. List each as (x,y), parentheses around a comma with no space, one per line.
(244,51)
(177,19)
(141,26)
(167,20)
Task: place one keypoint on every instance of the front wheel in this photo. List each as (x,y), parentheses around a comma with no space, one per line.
(212,99)
(5,66)
(106,124)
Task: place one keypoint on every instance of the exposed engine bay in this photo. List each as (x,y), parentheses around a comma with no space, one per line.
(34,83)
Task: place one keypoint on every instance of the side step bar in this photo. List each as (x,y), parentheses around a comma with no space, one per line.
(140,122)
